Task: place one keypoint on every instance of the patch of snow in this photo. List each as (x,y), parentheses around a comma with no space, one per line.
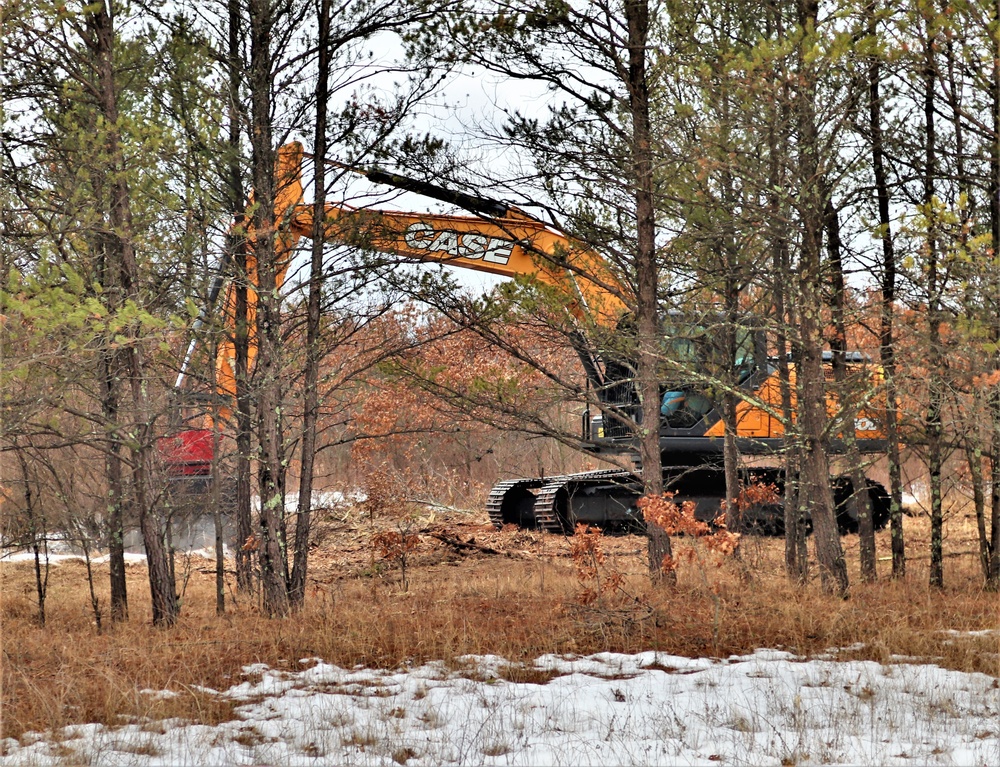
(321,499)
(160,694)
(769,707)
(192,533)
(982,633)
(832,653)
(55,559)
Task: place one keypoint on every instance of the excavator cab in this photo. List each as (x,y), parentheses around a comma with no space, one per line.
(697,369)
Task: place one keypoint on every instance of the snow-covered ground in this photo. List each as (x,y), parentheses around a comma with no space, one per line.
(768,708)
(192,534)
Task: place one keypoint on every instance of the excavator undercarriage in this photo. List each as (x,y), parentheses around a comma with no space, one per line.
(607,499)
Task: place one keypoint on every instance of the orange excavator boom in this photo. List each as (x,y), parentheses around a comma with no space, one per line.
(507,243)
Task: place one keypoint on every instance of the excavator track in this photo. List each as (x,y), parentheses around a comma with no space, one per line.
(606,499)
(549,516)
(536,502)
(501,493)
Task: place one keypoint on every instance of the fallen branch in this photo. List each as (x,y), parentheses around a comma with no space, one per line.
(458,544)
(436,505)
(928,556)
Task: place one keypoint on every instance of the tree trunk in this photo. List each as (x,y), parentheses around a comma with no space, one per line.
(974,460)
(244,426)
(310,416)
(120,252)
(110,399)
(730,399)
(38,531)
(887,350)
(217,501)
(647,278)
(796,553)
(731,461)
(161,584)
(989,399)
(728,250)
(237,244)
(268,368)
(814,484)
(860,499)
(934,361)
(993,545)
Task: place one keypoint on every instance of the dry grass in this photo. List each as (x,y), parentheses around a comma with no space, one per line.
(518,605)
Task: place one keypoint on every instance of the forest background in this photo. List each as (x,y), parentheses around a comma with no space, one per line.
(832,169)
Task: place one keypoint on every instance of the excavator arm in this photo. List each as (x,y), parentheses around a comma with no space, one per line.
(499,240)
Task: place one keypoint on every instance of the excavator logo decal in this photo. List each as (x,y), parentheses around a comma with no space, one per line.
(458,244)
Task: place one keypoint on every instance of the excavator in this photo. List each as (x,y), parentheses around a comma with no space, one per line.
(501,239)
